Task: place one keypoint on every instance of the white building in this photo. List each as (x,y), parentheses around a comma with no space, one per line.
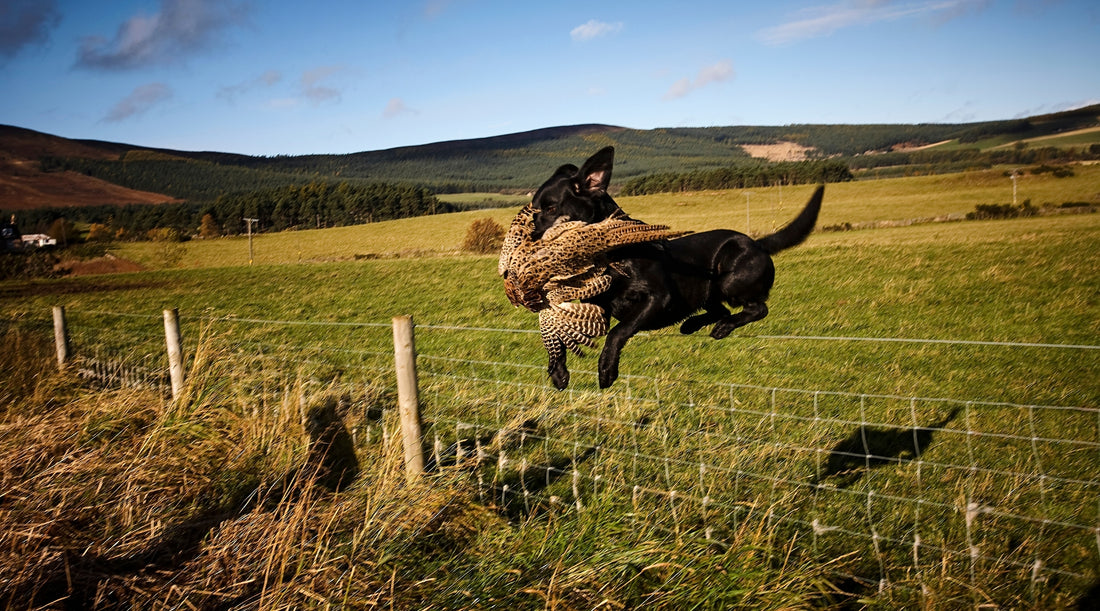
(38,239)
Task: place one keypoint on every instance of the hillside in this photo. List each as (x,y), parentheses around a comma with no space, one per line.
(85,172)
(25,186)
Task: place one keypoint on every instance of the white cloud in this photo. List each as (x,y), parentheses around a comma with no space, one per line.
(24,23)
(820,21)
(594,29)
(138,102)
(265,80)
(715,73)
(182,27)
(312,87)
(396,107)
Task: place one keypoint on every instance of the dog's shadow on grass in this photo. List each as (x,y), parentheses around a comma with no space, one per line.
(869,447)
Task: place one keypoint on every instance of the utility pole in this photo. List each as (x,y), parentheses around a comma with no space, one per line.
(747,200)
(1013,177)
(250,221)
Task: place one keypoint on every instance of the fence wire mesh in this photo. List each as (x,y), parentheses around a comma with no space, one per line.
(914,491)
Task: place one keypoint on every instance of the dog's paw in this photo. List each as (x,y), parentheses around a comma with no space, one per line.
(559,377)
(720,331)
(607,378)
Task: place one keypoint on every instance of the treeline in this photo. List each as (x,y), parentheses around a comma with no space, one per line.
(315,204)
(322,204)
(522,161)
(959,159)
(742,177)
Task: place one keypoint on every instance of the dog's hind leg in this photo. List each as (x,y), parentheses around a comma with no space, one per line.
(752,312)
(713,314)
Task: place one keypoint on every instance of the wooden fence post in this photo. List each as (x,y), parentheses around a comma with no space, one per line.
(175,353)
(60,336)
(404,354)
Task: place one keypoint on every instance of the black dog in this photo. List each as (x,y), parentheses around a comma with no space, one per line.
(659,284)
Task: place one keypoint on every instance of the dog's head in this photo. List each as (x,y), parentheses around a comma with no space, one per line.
(576,194)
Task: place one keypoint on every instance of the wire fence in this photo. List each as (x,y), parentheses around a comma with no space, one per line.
(912,492)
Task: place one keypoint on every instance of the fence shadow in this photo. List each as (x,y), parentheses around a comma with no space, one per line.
(519,491)
(516,494)
(869,447)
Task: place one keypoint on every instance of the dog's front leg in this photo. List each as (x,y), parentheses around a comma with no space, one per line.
(642,314)
(559,374)
(609,356)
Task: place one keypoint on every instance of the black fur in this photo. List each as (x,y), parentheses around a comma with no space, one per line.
(690,279)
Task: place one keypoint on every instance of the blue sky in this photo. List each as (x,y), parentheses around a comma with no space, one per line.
(269,77)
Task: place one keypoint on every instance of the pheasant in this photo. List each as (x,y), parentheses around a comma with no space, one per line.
(550,275)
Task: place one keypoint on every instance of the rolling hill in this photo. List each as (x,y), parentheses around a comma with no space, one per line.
(25,185)
(41,170)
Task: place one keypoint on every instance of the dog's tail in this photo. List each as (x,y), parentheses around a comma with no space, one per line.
(798,229)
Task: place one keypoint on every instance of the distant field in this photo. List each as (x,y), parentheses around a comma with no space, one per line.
(1077,139)
(1032,280)
(769,208)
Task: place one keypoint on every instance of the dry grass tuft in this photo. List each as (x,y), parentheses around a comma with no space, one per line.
(126,499)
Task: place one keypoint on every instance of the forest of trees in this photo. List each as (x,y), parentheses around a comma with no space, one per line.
(742,176)
(193,180)
(315,204)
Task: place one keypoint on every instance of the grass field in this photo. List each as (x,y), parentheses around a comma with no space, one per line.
(1082,138)
(702,475)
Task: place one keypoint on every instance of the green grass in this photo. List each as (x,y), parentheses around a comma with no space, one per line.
(709,420)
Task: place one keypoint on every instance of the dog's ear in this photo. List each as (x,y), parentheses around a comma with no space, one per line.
(595,174)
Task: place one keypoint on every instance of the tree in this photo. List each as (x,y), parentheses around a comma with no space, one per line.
(169,246)
(63,231)
(209,227)
(98,232)
(484,236)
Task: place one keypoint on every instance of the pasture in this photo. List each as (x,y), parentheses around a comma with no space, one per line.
(704,477)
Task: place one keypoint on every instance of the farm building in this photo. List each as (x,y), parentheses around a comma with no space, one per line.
(38,240)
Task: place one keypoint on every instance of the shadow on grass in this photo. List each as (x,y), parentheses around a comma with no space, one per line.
(515,493)
(870,447)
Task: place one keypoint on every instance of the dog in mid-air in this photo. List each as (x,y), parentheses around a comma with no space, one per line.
(688,280)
